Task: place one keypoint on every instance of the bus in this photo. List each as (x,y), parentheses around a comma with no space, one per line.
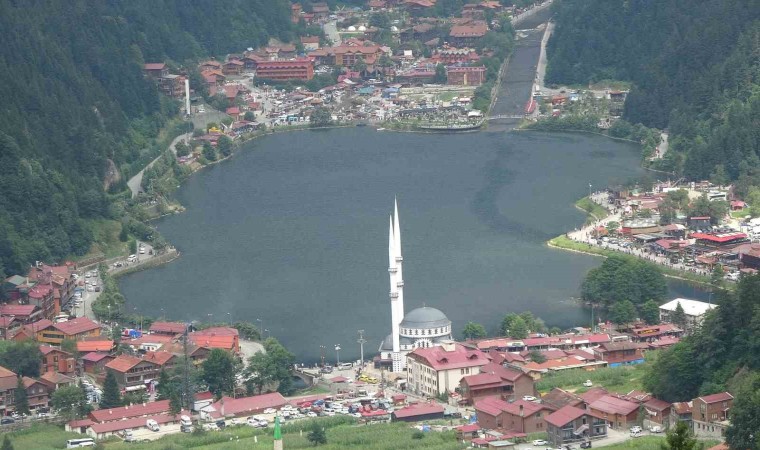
(78,443)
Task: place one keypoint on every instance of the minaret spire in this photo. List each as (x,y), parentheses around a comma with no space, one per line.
(397,289)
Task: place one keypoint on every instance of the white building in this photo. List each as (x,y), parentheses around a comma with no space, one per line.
(693,309)
(435,370)
(422,327)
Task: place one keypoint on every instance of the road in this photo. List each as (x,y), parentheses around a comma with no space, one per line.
(662,148)
(331,30)
(135,182)
(541,68)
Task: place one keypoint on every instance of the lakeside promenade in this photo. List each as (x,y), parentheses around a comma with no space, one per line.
(586,235)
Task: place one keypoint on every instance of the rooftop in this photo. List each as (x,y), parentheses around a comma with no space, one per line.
(564,415)
(126,412)
(716,398)
(425,317)
(76,326)
(613,405)
(419,409)
(690,307)
(243,405)
(167,327)
(441,359)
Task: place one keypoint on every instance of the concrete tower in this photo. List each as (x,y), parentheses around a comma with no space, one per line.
(397,288)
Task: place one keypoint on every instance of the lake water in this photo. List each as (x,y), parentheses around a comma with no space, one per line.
(293,230)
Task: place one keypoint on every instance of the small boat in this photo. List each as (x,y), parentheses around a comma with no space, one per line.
(381,129)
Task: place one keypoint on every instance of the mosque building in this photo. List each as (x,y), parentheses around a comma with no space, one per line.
(421,327)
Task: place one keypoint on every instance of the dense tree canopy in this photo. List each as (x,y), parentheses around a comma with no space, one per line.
(623,278)
(77,109)
(694,68)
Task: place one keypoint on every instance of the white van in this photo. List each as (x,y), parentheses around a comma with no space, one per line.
(185,420)
(344,366)
(152,425)
(77,443)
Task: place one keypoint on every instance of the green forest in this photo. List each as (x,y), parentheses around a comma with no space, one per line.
(695,69)
(77,114)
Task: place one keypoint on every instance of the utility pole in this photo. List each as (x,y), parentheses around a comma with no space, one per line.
(322,353)
(361,342)
(337,354)
(187,392)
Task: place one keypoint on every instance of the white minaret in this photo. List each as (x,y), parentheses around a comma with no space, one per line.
(397,288)
(392,271)
(187,96)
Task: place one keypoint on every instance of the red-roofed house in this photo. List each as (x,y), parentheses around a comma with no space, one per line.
(432,371)
(54,380)
(226,338)
(296,69)
(74,329)
(496,380)
(712,408)
(233,67)
(559,398)
(23,313)
(37,393)
(467,35)
(618,413)
(156,70)
(658,412)
(115,428)
(619,353)
(95,362)
(95,345)
(521,416)
(167,328)
(243,406)
(467,432)
(571,424)
(418,412)
(132,373)
(8,327)
(29,331)
(8,383)
(56,360)
(128,412)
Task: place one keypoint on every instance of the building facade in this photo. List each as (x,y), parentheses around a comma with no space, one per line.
(299,69)
(571,424)
(432,371)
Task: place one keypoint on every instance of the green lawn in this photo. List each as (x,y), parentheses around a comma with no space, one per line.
(651,443)
(593,209)
(741,214)
(339,436)
(105,240)
(615,379)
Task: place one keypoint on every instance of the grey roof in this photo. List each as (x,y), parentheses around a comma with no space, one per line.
(425,317)
(387,344)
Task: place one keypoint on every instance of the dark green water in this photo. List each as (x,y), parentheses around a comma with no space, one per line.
(294,231)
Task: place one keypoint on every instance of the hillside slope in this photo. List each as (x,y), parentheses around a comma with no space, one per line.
(74,96)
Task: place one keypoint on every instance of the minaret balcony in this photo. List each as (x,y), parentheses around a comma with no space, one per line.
(392,269)
(400,284)
(394,294)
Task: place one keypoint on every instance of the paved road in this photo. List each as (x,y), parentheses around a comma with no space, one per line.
(663,147)
(331,30)
(135,182)
(541,69)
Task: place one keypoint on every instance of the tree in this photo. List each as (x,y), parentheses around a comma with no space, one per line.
(680,438)
(519,328)
(679,316)
(224,144)
(182,149)
(623,312)
(219,371)
(321,117)
(317,435)
(71,402)
(440,74)
(716,277)
(166,386)
(612,227)
(208,151)
(650,312)
(175,403)
(675,374)
(22,399)
(271,367)
(249,116)
(23,358)
(6,443)
(537,357)
(132,247)
(473,330)
(745,415)
(111,396)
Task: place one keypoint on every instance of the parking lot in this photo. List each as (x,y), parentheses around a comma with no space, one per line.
(145,434)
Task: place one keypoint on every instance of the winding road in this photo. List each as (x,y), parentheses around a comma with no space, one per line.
(135,182)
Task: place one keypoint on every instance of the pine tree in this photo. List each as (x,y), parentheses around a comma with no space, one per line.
(317,435)
(111,396)
(22,400)
(175,403)
(679,316)
(680,438)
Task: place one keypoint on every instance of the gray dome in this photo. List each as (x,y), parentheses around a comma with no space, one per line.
(425,317)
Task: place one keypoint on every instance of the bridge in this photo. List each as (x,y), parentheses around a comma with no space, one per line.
(308,376)
(507,116)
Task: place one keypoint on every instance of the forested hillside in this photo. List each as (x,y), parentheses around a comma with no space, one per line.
(74,97)
(695,67)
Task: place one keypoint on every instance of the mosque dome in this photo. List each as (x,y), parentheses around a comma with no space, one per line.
(425,317)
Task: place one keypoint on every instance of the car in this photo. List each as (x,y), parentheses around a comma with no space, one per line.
(234,421)
(357,415)
(655,429)
(270,411)
(636,429)
(6,421)
(142,251)
(210,427)
(186,428)
(529,398)
(152,425)
(588,383)
(586,444)
(311,414)
(539,442)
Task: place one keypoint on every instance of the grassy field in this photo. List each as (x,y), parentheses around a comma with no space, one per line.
(339,436)
(593,209)
(741,214)
(615,379)
(106,240)
(652,443)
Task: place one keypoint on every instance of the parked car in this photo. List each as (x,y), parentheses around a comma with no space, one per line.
(586,444)
(539,442)
(152,425)
(529,398)
(655,429)
(6,421)
(588,383)
(636,429)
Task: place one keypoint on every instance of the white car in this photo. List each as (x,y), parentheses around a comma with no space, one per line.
(539,442)
(588,383)
(529,398)
(311,414)
(636,429)
(270,411)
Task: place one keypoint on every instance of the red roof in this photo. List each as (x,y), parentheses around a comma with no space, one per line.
(495,406)
(469,428)
(16,310)
(475,30)
(593,394)
(613,405)
(418,409)
(338,379)
(103,345)
(45,349)
(136,422)
(76,326)
(248,405)
(725,237)
(167,327)
(160,358)
(715,398)
(126,412)
(155,66)
(38,325)
(216,331)
(657,404)
(440,359)
(80,423)
(123,363)
(94,356)
(564,415)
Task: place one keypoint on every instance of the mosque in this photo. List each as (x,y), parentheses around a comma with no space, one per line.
(421,327)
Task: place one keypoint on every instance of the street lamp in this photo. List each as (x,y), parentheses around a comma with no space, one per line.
(337,354)
(322,354)
(589,191)
(261,328)
(163,314)
(267,332)
(209,317)
(229,318)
